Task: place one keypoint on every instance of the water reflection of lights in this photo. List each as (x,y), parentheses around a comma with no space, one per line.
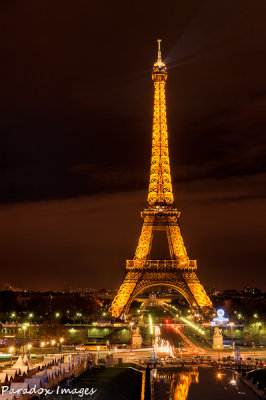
(180,382)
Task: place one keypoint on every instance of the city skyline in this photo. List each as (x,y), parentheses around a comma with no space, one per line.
(77,143)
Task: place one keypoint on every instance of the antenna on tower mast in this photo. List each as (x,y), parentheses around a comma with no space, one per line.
(159,51)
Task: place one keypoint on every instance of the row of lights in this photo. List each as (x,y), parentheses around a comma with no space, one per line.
(240,316)
(57,314)
(42,344)
(193,325)
(53,342)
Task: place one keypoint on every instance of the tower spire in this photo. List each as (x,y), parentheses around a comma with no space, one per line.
(159,60)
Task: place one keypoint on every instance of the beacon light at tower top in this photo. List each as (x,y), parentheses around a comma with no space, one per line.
(159,63)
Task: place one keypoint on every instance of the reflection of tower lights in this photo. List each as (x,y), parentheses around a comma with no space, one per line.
(180,384)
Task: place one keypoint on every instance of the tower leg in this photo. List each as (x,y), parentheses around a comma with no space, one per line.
(124,294)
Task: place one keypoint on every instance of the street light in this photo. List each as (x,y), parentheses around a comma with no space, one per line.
(61,342)
(79,315)
(218,347)
(98,348)
(24,328)
(53,342)
(11,349)
(29,347)
(42,346)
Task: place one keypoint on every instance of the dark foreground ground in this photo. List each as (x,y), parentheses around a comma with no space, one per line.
(110,383)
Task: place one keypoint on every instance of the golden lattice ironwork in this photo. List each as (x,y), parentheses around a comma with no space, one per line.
(179,272)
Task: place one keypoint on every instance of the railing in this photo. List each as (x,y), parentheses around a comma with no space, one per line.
(161,264)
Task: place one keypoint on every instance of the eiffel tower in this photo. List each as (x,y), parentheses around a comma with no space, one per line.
(179,272)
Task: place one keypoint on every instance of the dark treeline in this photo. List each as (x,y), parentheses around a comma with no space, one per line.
(39,306)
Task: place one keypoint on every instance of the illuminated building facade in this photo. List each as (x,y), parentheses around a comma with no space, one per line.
(179,271)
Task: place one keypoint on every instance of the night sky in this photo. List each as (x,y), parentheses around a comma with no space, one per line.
(76,101)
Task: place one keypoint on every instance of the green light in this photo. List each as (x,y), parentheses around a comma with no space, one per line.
(150,323)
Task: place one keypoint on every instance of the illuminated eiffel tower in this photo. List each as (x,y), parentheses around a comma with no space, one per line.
(179,272)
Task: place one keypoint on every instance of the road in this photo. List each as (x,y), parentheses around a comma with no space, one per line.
(171,340)
(174,334)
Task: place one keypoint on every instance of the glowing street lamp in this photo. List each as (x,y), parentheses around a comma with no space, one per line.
(11,349)
(24,328)
(53,342)
(42,346)
(218,347)
(61,343)
(79,315)
(29,347)
(98,348)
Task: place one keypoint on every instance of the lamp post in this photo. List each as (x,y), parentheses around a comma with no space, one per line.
(42,346)
(61,343)
(29,347)
(218,347)
(24,328)
(98,356)
(79,315)
(11,349)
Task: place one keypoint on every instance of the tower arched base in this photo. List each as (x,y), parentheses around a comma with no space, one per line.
(184,281)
